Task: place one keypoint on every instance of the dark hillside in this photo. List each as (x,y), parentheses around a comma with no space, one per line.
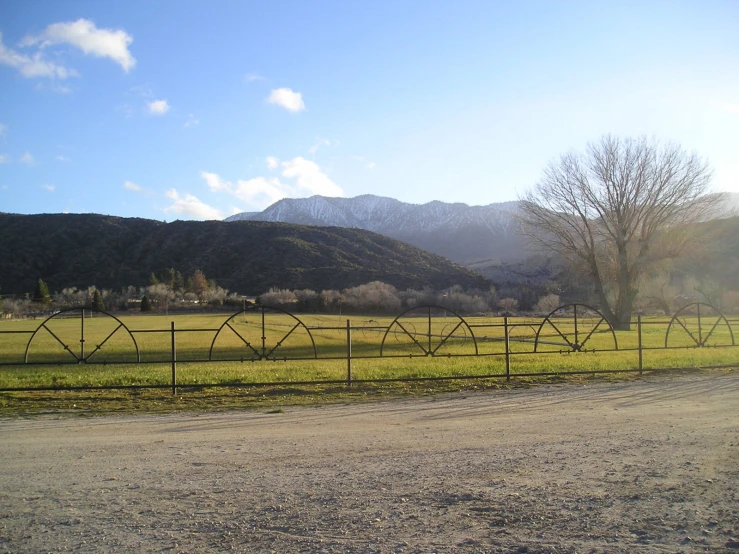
(244,256)
(717,258)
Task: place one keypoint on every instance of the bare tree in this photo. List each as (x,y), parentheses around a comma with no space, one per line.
(618,209)
(547,304)
(331,298)
(508,304)
(375,296)
(277,297)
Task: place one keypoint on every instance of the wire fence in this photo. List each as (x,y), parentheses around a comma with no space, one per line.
(522,346)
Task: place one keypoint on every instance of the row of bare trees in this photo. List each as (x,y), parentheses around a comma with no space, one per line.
(382,298)
(168,290)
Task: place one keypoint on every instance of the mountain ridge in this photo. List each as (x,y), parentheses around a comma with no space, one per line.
(248,256)
(457,231)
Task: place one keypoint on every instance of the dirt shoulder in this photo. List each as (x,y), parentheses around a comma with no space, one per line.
(650,465)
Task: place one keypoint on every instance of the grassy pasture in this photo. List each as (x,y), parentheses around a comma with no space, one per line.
(314,348)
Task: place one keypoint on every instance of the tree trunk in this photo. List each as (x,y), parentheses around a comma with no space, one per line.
(625,296)
(623,322)
(600,294)
(624,309)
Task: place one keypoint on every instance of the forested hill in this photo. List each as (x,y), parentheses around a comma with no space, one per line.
(244,256)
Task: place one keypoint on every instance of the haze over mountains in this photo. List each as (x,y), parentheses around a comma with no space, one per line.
(326,245)
(464,234)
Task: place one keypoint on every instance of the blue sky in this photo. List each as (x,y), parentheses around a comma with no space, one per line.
(197,110)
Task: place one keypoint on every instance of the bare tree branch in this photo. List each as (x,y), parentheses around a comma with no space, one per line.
(617,210)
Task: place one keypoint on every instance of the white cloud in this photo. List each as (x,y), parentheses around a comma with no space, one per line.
(260,192)
(27,159)
(191,206)
(50,188)
(39,67)
(252,77)
(63,159)
(310,178)
(138,189)
(83,34)
(371,165)
(192,121)
(130,185)
(158,107)
(34,65)
(287,98)
(731,108)
(215,183)
(272,162)
(4,159)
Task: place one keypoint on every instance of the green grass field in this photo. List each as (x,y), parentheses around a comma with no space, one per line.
(137,349)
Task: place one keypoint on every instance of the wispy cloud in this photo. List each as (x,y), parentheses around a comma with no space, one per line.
(192,121)
(254,77)
(3,130)
(319,142)
(50,188)
(27,159)
(158,107)
(54,86)
(4,159)
(191,206)
(731,108)
(34,65)
(63,159)
(287,98)
(84,34)
(133,187)
(362,160)
(259,192)
(130,185)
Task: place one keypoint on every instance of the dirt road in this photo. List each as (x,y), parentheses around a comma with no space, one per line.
(650,465)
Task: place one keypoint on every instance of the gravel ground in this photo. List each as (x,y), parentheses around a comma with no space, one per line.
(650,465)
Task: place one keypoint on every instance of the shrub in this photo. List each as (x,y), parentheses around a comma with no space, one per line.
(508,304)
(547,304)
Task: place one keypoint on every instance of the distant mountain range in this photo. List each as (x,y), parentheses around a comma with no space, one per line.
(248,257)
(464,234)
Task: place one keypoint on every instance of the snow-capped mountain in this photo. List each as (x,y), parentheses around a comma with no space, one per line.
(457,231)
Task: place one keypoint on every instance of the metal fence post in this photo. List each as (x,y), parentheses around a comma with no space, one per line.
(507,350)
(82,336)
(638,330)
(174,362)
(348,353)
